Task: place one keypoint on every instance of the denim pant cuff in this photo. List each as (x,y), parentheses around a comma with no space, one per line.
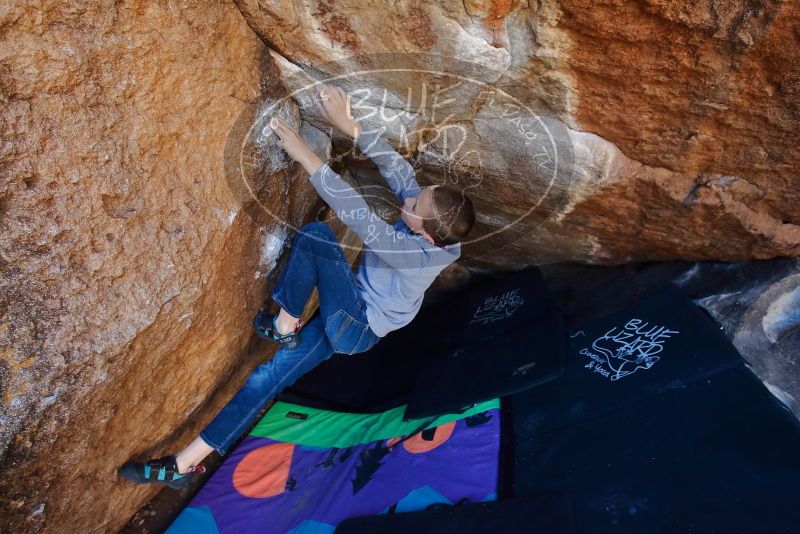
(278,300)
(211,444)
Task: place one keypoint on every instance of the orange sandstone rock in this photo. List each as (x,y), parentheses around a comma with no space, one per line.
(682,120)
(130,268)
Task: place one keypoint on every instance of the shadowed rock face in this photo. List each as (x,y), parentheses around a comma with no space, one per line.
(140,196)
(760,312)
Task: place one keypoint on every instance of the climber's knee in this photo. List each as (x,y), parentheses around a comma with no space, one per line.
(316,229)
(313,235)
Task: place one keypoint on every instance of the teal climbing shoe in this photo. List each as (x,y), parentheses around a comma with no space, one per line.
(265,326)
(160,471)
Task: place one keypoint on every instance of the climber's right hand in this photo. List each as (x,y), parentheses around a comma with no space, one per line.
(334,104)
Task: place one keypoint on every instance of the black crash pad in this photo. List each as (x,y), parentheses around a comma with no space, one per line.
(718,454)
(545,514)
(496,306)
(669,433)
(525,357)
(383,377)
(373,381)
(654,345)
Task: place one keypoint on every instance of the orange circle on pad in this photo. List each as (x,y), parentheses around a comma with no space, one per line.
(264,471)
(417,444)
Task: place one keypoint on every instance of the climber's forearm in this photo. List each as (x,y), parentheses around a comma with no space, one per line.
(355,130)
(399,174)
(310,161)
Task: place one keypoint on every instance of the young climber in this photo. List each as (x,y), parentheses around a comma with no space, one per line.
(399,263)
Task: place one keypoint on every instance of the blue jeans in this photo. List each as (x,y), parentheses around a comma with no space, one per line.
(341,326)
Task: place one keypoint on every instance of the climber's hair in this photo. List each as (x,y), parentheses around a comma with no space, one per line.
(453,215)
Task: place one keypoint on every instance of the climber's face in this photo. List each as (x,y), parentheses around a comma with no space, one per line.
(417,209)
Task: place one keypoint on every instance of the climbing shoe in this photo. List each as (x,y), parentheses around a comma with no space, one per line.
(159,471)
(266,328)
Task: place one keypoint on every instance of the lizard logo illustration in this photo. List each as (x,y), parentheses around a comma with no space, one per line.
(623,351)
(498,307)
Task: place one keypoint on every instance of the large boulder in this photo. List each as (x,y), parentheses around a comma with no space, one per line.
(672,130)
(131,261)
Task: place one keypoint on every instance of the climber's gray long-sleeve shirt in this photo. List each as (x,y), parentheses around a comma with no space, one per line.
(397,265)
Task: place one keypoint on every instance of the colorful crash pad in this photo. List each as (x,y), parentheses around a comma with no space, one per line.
(304,470)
